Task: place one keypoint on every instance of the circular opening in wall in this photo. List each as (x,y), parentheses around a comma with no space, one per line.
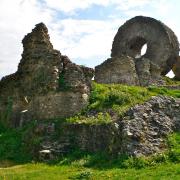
(138,47)
(143,49)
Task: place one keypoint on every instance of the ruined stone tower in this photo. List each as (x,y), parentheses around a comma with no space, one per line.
(46,85)
(127,66)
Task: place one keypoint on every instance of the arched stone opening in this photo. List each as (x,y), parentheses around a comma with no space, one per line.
(162,43)
(137,47)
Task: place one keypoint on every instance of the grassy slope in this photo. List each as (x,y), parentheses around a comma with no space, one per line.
(118,98)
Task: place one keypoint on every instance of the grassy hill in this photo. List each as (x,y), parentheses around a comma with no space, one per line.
(105,100)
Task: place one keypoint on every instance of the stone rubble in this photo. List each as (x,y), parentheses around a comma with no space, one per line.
(145,127)
(126,70)
(141,132)
(115,70)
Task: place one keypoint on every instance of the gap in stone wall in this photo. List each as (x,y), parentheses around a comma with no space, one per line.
(144,49)
(170,74)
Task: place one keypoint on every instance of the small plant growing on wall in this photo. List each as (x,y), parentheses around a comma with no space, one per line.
(6,114)
(62,84)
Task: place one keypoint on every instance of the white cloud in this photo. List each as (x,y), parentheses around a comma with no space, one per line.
(77,38)
(129,4)
(69,6)
(84,38)
(17,18)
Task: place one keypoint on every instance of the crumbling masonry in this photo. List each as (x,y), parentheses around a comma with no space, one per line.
(126,65)
(48,85)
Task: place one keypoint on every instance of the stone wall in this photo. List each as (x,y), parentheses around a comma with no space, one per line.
(161,54)
(127,70)
(162,43)
(141,132)
(117,70)
(46,84)
(176,69)
(145,127)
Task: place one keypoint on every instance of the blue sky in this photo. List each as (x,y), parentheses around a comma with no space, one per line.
(81,29)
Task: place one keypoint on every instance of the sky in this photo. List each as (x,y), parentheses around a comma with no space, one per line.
(81,29)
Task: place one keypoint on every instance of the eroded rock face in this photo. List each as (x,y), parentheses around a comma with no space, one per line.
(141,132)
(176,69)
(148,73)
(46,83)
(145,127)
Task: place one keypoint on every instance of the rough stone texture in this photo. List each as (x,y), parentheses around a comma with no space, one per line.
(162,43)
(145,127)
(76,77)
(117,70)
(57,105)
(176,69)
(130,71)
(147,72)
(91,138)
(38,87)
(141,132)
(162,52)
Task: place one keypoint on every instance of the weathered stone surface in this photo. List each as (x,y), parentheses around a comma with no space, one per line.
(147,72)
(162,43)
(145,127)
(161,54)
(76,77)
(57,105)
(46,83)
(141,132)
(117,70)
(176,69)
(127,70)
(92,138)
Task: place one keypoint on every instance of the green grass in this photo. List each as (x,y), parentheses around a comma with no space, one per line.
(113,100)
(46,172)
(171,82)
(15,145)
(164,91)
(81,165)
(105,102)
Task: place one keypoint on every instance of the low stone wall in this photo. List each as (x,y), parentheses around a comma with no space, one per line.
(141,132)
